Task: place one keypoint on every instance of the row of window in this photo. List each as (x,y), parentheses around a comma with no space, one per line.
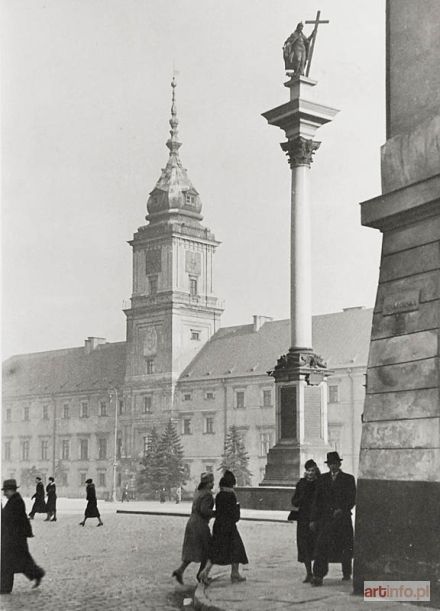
(66,413)
(65,449)
(239,398)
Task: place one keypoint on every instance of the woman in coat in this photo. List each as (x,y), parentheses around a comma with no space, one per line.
(92,504)
(51,503)
(227,546)
(197,539)
(302,501)
(39,505)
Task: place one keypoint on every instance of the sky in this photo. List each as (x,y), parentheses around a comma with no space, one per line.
(85,101)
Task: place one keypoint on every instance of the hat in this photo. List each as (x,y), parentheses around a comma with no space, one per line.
(89,481)
(10,484)
(333,457)
(310,463)
(206,476)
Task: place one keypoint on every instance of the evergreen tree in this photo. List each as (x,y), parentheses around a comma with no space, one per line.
(172,470)
(149,476)
(235,457)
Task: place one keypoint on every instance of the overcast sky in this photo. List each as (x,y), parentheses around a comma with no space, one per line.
(85,107)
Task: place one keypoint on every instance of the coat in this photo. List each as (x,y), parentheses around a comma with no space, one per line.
(51,503)
(197,539)
(16,529)
(92,504)
(39,505)
(335,533)
(227,546)
(303,499)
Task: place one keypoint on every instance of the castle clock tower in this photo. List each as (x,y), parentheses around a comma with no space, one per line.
(173,307)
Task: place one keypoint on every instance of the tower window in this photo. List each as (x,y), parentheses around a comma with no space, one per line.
(150,366)
(195,334)
(84,409)
(193,290)
(152,285)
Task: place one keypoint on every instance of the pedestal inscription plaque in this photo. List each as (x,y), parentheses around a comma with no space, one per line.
(288,419)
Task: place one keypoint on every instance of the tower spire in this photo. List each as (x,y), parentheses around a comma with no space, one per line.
(173,143)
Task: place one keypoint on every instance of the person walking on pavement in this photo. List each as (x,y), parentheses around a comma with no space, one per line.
(335,497)
(227,546)
(125,494)
(51,503)
(197,539)
(302,501)
(39,505)
(92,504)
(16,529)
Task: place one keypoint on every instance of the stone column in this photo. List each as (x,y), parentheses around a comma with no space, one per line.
(301,398)
(397,534)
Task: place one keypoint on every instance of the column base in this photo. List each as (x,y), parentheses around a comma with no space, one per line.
(285,462)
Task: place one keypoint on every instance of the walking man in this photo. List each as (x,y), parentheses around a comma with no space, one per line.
(335,497)
(39,505)
(16,529)
(92,504)
(51,504)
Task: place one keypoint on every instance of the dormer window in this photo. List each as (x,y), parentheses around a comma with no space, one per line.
(190,199)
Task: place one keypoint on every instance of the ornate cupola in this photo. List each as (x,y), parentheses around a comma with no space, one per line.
(174,197)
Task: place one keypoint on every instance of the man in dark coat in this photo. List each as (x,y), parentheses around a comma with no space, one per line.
(16,528)
(39,505)
(51,503)
(335,497)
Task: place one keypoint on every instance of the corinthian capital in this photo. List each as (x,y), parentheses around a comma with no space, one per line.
(300,151)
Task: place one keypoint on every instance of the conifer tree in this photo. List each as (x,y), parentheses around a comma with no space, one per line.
(149,477)
(172,470)
(235,457)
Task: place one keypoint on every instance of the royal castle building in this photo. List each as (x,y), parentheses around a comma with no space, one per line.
(78,412)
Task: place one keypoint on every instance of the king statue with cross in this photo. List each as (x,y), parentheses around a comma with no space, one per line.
(298,48)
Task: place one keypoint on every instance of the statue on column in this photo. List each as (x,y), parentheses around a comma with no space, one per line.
(296,50)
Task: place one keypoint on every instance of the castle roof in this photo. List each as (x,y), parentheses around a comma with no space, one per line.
(341,338)
(67,370)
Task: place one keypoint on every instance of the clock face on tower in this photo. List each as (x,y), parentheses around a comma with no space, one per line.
(150,341)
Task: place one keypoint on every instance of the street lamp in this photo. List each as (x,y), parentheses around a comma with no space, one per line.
(113,391)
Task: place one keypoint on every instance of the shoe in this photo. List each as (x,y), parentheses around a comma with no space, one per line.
(53,520)
(81,524)
(100,524)
(38,579)
(308,578)
(316,581)
(178,577)
(46,520)
(237,578)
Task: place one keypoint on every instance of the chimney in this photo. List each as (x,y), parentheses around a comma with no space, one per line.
(93,342)
(260,320)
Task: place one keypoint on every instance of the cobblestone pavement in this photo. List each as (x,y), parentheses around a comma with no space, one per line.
(124,565)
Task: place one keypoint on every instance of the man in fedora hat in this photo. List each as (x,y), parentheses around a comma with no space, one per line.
(335,497)
(16,528)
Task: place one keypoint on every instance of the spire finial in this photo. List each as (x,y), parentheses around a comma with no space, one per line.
(173,144)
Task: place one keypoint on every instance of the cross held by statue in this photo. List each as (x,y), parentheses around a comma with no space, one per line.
(316,22)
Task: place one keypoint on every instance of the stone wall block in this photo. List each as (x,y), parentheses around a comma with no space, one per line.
(410,236)
(409,434)
(403,348)
(426,317)
(406,376)
(409,262)
(424,403)
(427,283)
(416,465)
